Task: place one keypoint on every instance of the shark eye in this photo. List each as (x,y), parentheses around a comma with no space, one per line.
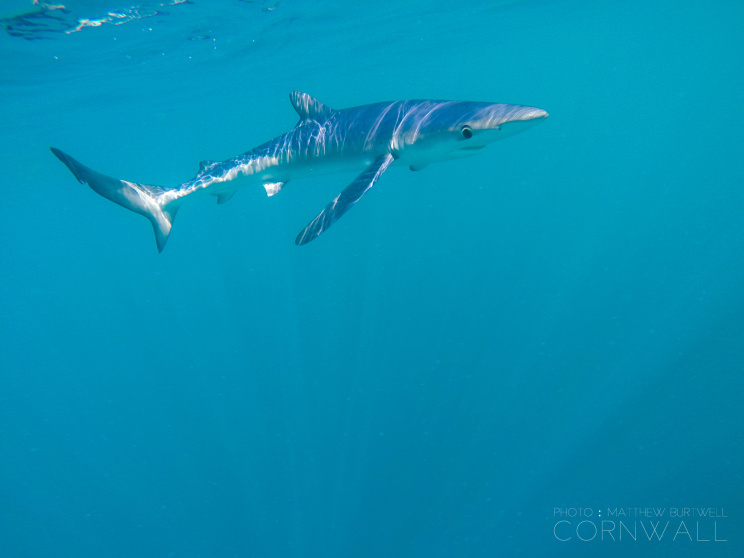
(466,132)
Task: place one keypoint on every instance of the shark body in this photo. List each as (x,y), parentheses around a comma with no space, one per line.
(369,138)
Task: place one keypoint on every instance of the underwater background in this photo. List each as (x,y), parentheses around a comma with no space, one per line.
(486,358)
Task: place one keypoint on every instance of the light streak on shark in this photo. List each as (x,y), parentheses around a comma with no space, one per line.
(367,138)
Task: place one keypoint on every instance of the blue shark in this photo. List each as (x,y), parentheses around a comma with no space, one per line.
(367,139)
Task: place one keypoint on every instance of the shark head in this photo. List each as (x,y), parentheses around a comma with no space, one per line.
(436,130)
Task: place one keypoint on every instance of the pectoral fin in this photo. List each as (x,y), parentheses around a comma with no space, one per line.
(345,200)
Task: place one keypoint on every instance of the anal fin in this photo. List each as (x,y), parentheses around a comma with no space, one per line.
(222,198)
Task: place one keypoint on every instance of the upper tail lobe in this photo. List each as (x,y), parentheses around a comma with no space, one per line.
(144,199)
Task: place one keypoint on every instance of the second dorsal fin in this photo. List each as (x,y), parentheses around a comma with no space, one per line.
(309,108)
(204,165)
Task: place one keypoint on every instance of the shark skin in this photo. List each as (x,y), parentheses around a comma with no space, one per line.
(368,139)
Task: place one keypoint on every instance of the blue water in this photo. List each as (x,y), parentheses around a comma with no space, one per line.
(471,355)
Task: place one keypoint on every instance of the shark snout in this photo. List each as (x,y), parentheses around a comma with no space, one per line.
(529,113)
(520,119)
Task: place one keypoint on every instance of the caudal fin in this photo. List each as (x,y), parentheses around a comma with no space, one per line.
(150,201)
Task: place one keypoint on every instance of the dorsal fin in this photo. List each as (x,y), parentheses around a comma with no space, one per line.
(308,107)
